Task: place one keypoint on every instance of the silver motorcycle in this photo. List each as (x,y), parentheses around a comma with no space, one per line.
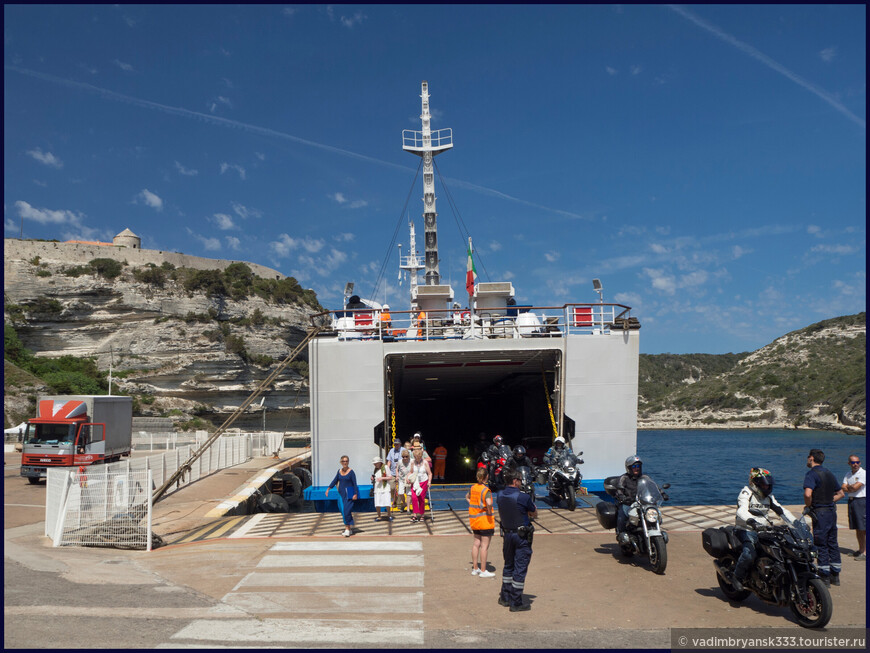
(564,478)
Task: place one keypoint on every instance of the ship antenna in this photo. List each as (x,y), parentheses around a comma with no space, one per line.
(427,144)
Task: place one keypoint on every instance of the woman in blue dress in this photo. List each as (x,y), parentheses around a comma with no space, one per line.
(347,493)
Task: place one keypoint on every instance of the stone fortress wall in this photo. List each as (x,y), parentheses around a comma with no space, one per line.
(80,254)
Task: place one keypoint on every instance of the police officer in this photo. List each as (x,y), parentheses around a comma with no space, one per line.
(821,490)
(515,510)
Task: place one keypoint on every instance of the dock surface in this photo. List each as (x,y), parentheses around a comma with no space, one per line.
(291,580)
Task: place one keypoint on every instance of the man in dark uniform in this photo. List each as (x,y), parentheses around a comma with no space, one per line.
(821,490)
(515,510)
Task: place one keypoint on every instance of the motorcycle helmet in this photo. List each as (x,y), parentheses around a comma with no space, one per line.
(519,452)
(559,443)
(497,440)
(760,481)
(634,464)
(485,457)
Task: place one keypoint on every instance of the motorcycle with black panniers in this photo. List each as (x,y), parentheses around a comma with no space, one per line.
(644,528)
(784,571)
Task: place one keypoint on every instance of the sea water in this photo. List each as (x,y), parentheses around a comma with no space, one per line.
(712,466)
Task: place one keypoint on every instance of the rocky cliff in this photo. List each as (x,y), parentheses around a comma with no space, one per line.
(179,351)
(811,378)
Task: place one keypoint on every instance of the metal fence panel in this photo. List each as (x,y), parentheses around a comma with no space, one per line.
(108,508)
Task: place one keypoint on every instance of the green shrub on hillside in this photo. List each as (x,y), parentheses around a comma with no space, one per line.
(107,268)
(151,275)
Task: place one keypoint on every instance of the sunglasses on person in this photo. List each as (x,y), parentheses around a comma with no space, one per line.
(854,462)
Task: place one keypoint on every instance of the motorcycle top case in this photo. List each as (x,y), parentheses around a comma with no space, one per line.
(606,514)
(715,542)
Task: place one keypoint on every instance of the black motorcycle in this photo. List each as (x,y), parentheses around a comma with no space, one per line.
(784,572)
(527,480)
(495,466)
(644,529)
(563,479)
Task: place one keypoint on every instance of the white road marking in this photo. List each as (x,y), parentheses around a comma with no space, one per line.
(248,525)
(341,561)
(331,579)
(324,602)
(312,631)
(347,545)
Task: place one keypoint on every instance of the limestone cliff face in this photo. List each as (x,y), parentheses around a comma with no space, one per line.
(192,353)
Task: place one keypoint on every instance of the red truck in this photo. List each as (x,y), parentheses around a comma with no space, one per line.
(76,430)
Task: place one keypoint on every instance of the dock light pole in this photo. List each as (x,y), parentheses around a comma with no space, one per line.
(596,284)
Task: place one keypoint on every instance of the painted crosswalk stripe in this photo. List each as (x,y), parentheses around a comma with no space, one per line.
(324,602)
(309,560)
(305,631)
(347,545)
(330,579)
(247,526)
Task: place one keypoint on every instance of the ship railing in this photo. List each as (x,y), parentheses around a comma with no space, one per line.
(487,323)
(438,140)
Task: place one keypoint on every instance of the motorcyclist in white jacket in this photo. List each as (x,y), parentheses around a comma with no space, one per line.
(756,495)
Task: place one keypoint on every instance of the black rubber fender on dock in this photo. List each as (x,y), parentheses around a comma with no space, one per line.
(272,503)
(304,476)
(292,488)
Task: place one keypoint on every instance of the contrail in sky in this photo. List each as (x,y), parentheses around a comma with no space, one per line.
(770,63)
(262,131)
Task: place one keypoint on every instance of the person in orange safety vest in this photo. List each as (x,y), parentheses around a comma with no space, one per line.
(482,520)
(440,455)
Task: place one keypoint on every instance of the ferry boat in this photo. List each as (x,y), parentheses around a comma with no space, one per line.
(454,369)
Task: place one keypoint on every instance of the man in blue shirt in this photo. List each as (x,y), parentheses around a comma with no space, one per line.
(515,510)
(821,490)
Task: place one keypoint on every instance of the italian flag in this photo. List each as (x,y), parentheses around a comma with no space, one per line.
(470,272)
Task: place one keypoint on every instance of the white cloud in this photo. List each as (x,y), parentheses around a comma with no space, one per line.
(237,168)
(494,246)
(40,183)
(635,70)
(661,281)
(356,19)
(123,66)
(610,71)
(47,158)
(209,244)
(223,221)
(737,251)
(244,212)
(185,171)
(150,199)
(47,216)
(696,278)
(828,54)
(288,11)
(658,249)
(344,237)
(552,257)
(285,244)
(834,249)
(341,199)
(260,156)
(233,242)
(814,230)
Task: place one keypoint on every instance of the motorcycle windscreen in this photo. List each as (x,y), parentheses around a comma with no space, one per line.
(648,491)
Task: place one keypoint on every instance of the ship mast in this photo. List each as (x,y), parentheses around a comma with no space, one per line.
(427,144)
(412,262)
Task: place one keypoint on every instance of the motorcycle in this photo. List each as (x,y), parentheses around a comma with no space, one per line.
(784,572)
(495,466)
(563,479)
(644,529)
(527,480)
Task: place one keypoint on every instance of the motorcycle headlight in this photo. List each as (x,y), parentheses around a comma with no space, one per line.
(652,514)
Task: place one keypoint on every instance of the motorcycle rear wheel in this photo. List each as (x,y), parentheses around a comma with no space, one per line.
(726,587)
(570,497)
(658,555)
(817,612)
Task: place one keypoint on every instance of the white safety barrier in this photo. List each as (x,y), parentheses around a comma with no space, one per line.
(101,507)
(76,497)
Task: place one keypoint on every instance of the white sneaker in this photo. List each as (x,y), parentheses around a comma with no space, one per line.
(346,532)
(486,574)
(475,572)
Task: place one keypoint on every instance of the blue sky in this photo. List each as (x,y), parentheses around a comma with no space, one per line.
(707,163)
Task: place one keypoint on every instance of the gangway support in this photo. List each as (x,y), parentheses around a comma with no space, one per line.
(185,468)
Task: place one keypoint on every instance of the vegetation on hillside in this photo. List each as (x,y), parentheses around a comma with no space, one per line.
(801,370)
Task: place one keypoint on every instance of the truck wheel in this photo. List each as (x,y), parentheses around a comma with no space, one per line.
(33,481)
